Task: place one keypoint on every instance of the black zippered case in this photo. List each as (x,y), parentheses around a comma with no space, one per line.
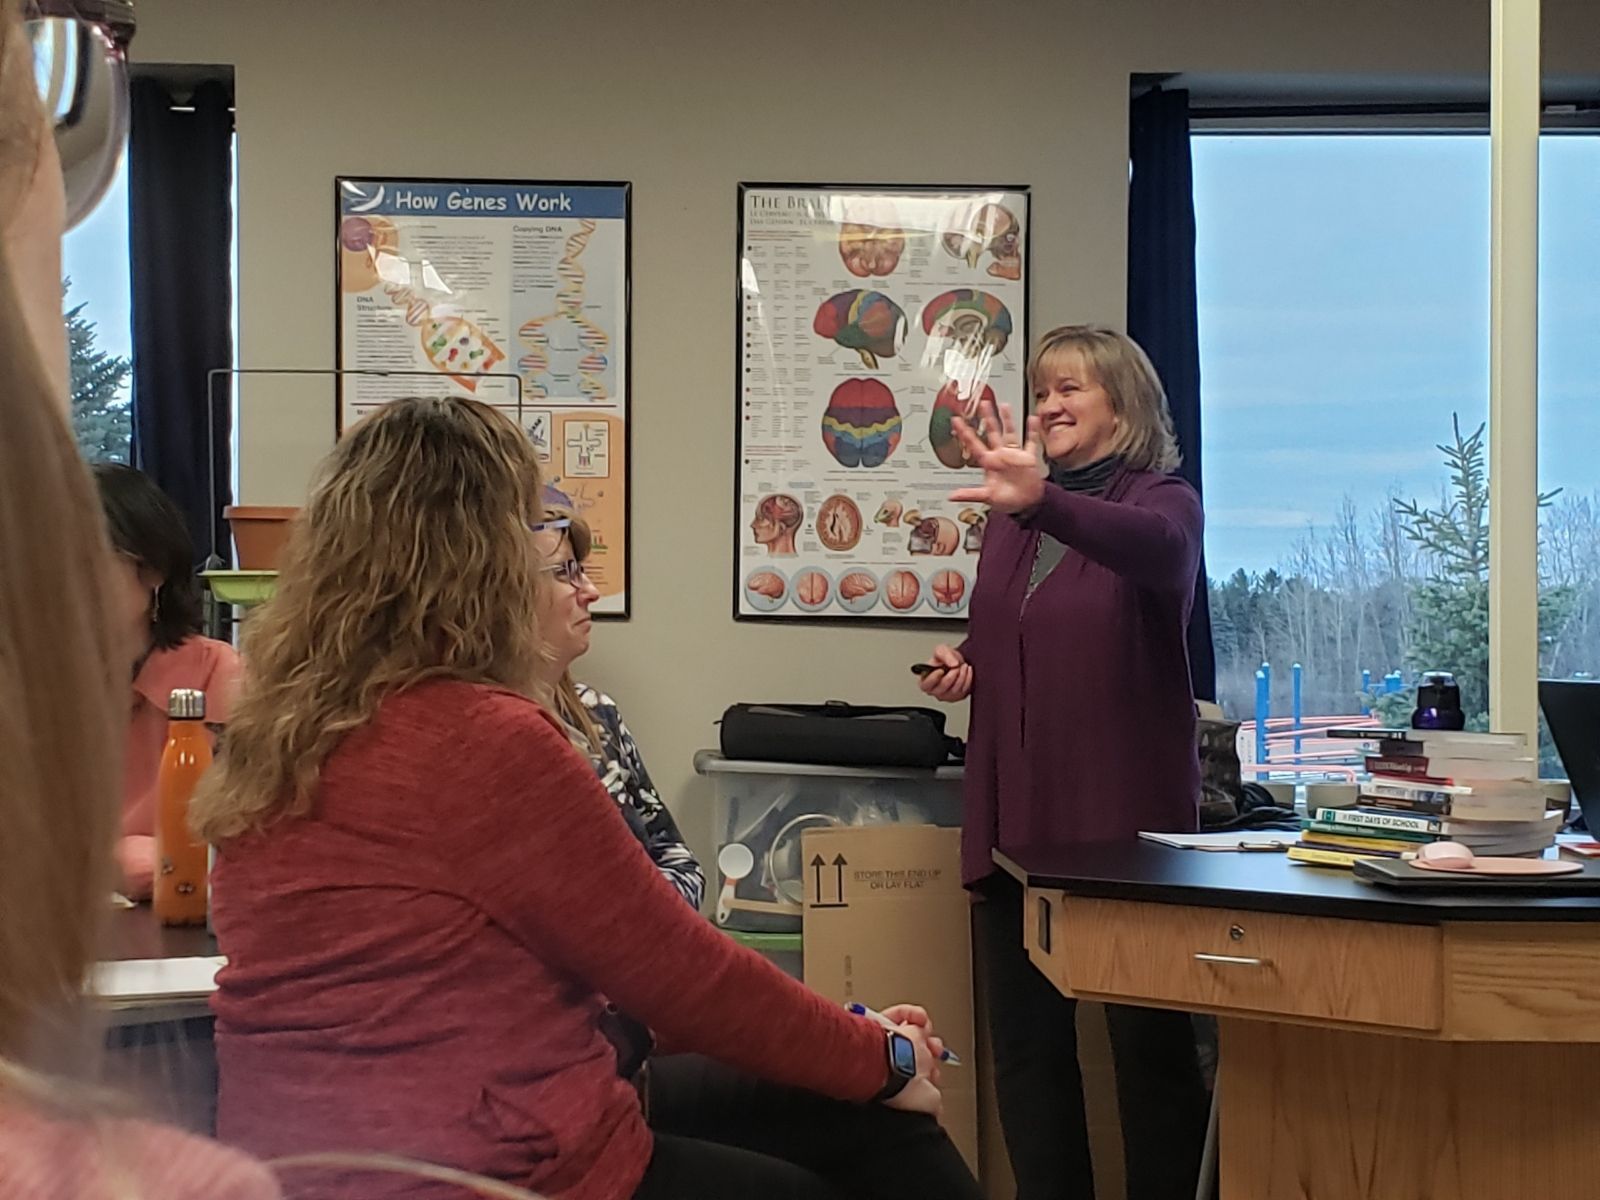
(837,734)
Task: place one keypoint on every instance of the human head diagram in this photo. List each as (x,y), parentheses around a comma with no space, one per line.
(776,522)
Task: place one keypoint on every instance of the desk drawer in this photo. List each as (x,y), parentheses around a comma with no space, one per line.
(1364,972)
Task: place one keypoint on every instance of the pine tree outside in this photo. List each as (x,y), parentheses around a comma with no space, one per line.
(102,412)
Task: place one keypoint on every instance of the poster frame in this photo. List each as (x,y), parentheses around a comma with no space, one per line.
(626,188)
(869,190)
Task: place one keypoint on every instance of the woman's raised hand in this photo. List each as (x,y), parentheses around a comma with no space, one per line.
(1013,469)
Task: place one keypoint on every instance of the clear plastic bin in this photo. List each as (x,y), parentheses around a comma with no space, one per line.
(761,809)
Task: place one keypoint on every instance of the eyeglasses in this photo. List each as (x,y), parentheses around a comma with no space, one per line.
(80,65)
(570,572)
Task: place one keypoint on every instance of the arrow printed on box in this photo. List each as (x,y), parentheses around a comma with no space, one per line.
(839,864)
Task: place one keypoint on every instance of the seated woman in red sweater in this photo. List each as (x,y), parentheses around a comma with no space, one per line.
(429,901)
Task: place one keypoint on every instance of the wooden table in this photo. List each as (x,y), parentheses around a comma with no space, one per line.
(1375,1044)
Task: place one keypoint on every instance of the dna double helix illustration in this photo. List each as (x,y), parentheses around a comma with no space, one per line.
(592,339)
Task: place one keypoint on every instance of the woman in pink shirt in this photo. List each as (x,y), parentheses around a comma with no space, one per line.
(157,602)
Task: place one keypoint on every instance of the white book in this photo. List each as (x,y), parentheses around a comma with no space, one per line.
(138,979)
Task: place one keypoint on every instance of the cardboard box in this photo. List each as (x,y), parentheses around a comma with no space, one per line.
(886,922)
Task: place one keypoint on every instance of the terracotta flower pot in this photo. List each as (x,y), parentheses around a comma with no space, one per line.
(259,532)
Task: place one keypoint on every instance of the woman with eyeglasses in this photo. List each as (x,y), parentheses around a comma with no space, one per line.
(64,675)
(158,602)
(593,717)
(430,904)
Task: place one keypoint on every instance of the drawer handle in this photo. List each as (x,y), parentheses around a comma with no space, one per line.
(1233,960)
(1044,925)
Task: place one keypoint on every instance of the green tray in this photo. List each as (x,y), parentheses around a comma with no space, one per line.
(243,588)
(768,942)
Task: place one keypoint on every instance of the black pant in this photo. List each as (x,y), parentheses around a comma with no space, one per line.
(724,1135)
(1160,1095)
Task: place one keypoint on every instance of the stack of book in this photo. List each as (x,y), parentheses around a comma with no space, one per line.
(1479,789)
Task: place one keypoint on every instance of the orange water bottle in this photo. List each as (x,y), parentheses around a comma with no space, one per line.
(181,861)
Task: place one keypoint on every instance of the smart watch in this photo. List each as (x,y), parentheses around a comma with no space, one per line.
(902,1066)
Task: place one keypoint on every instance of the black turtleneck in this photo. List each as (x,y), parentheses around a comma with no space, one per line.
(1090,480)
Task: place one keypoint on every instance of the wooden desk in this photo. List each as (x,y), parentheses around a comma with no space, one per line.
(1374,1044)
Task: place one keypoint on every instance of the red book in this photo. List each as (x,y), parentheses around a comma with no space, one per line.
(1403,766)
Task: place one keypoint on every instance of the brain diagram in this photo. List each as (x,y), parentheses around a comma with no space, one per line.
(975,325)
(993,229)
(767,583)
(902,589)
(932,535)
(869,250)
(861,425)
(839,523)
(765,589)
(955,401)
(856,586)
(948,590)
(869,323)
(812,588)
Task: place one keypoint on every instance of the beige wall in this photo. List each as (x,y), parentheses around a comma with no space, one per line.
(686,99)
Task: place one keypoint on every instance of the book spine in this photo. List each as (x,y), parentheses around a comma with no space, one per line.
(1419,793)
(1406,804)
(1324,858)
(1402,766)
(1377,820)
(1411,838)
(1357,844)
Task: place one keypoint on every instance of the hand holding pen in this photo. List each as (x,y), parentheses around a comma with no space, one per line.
(907,1014)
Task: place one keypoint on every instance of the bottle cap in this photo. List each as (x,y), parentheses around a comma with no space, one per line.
(187,704)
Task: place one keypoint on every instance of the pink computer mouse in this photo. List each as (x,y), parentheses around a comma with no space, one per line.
(1446,856)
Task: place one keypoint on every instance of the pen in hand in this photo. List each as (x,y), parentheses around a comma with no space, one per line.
(861,1010)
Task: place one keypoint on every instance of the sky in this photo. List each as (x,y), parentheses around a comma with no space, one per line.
(1344,316)
(95,259)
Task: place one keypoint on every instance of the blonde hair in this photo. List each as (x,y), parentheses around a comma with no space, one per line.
(569,705)
(22,120)
(1145,439)
(411,561)
(61,738)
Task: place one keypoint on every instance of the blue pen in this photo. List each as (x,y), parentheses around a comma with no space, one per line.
(861,1010)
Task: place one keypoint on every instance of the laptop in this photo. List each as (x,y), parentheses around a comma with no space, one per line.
(1572,711)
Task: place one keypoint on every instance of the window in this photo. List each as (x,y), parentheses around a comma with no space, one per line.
(100,332)
(1344,312)
(1343,286)
(1569,405)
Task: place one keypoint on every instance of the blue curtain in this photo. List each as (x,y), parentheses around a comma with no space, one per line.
(180,234)
(1163,314)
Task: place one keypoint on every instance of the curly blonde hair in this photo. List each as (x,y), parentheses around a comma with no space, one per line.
(413,560)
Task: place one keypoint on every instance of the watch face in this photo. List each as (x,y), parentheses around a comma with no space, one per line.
(902,1055)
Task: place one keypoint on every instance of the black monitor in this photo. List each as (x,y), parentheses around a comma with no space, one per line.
(1572,710)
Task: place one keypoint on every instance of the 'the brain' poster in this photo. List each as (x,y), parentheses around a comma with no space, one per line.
(516,294)
(869,319)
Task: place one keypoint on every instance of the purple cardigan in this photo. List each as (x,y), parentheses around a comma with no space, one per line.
(1082,725)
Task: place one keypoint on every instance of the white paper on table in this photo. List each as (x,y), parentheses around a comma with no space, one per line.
(156,978)
(1243,839)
